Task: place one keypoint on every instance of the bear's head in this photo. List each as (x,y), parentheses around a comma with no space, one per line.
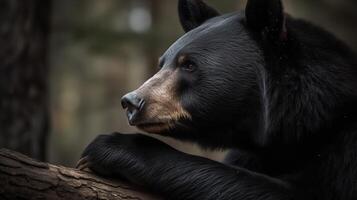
(209,86)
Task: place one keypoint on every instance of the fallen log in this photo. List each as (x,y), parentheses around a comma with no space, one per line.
(24,178)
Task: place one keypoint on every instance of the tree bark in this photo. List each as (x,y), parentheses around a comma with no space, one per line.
(24,30)
(24,178)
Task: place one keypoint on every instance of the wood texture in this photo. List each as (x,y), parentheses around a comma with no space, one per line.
(24,178)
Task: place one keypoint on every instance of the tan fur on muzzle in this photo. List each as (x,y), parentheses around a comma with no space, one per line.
(162,106)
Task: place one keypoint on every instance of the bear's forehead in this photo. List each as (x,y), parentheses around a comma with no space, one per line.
(219,28)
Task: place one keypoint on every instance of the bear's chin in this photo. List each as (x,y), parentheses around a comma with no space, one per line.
(154,128)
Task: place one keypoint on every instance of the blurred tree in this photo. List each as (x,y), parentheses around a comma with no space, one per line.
(24,115)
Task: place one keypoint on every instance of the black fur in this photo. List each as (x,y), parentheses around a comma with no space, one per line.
(266,16)
(280,92)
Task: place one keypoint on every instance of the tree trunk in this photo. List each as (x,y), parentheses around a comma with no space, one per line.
(24,178)
(24,27)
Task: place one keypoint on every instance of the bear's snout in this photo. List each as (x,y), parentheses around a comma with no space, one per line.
(155,106)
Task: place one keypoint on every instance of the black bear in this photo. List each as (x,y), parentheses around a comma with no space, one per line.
(279,92)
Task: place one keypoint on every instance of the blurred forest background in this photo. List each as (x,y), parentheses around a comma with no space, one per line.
(98,50)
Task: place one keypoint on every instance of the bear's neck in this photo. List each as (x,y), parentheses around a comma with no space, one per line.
(300,102)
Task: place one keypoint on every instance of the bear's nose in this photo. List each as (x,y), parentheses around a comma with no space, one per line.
(134,104)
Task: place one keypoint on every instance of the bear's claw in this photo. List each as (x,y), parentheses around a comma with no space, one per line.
(83,163)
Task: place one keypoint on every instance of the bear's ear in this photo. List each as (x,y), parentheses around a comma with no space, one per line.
(267,16)
(193,13)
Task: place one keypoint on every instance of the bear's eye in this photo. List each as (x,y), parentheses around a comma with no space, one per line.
(188,66)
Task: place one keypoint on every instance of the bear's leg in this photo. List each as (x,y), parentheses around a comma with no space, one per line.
(175,175)
(247,160)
